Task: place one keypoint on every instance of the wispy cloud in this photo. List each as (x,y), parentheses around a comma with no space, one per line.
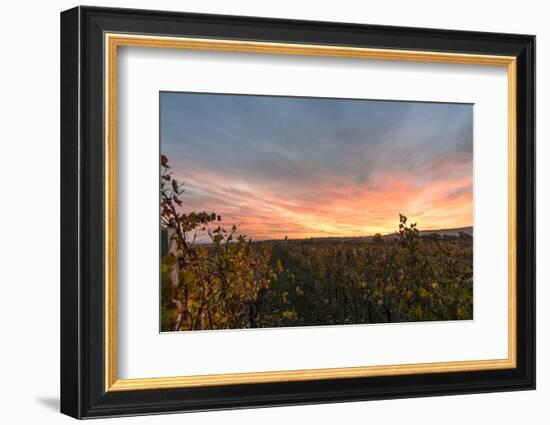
(306,167)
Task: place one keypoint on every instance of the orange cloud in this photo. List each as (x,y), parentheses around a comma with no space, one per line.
(347,209)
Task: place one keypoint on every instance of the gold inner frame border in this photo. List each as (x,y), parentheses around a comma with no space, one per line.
(111,43)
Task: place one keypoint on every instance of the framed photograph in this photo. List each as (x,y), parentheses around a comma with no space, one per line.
(261,212)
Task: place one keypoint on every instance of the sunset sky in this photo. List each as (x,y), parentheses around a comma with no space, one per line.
(310,167)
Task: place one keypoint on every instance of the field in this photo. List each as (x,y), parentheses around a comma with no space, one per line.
(233,283)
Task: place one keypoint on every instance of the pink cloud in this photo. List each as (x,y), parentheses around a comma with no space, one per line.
(318,210)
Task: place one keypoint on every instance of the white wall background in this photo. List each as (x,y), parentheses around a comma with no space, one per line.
(29,212)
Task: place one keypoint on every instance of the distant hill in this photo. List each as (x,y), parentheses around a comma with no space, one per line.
(359,239)
(442,232)
(449,232)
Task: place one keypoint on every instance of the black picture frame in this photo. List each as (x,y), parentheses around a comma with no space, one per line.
(83,392)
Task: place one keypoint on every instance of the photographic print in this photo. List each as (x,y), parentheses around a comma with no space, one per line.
(280,211)
(317,209)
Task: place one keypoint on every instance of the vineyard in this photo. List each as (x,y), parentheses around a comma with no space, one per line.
(234,283)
